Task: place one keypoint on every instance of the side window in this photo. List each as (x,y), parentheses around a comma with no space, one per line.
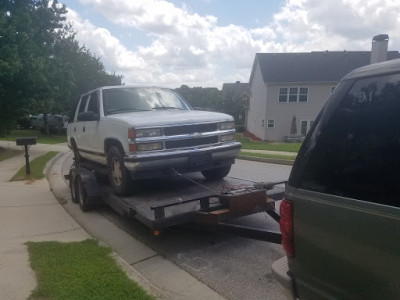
(93,103)
(357,151)
(82,105)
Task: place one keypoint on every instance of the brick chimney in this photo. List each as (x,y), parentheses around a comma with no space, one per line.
(379,48)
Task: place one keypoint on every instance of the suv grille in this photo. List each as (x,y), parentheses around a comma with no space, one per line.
(191,142)
(187,129)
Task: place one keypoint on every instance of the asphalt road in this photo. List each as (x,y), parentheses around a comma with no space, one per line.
(237,268)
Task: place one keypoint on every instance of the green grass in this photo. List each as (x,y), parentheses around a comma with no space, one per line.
(79,270)
(36,167)
(249,144)
(40,137)
(8,153)
(275,156)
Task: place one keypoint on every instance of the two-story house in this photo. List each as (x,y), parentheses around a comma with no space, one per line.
(287,90)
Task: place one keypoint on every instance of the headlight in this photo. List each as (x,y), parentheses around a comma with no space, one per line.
(149,147)
(150,132)
(227,137)
(228,125)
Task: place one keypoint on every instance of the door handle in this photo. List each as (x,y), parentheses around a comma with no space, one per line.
(84,128)
(74,129)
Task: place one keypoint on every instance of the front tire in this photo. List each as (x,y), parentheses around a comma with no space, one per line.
(217,173)
(118,175)
(81,195)
(72,187)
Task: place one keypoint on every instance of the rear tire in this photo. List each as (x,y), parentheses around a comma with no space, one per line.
(118,175)
(217,173)
(81,195)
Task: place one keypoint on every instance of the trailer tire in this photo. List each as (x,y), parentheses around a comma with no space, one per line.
(217,173)
(118,175)
(81,195)
(72,187)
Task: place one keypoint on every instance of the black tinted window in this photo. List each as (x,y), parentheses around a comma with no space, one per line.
(357,153)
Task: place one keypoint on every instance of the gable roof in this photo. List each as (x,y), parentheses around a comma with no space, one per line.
(313,66)
(236,88)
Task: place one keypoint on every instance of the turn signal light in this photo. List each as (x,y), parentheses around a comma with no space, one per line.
(131,134)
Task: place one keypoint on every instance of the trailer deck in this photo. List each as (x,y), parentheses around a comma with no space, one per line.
(178,199)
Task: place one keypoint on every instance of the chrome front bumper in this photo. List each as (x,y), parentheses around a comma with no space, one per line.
(190,160)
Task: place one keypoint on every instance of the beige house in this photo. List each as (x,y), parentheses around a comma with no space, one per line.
(287,90)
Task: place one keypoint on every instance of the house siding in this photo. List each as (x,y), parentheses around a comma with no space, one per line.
(256,122)
(283,112)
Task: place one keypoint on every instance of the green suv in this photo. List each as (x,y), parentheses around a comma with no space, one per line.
(340,219)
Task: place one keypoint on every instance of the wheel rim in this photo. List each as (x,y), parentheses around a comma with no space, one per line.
(116,172)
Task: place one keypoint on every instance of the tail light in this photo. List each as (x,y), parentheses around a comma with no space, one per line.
(286,223)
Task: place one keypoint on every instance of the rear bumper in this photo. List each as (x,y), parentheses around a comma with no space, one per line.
(280,271)
(148,165)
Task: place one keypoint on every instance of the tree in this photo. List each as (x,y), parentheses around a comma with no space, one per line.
(42,67)
(215,100)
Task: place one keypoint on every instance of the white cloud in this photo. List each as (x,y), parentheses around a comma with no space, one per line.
(187,48)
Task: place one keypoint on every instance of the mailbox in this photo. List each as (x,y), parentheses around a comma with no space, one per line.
(25,141)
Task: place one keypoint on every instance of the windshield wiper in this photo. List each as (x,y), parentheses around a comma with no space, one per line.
(165,107)
(122,110)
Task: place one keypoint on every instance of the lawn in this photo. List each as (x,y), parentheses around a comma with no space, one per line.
(80,270)
(275,156)
(40,137)
(255,145)
(36,166)
(8,153)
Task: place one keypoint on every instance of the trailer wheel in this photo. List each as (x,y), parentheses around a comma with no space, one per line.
(217,173)
(72,187)
(81,195)
(118,175)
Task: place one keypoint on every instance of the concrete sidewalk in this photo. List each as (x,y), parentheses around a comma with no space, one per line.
(30,212)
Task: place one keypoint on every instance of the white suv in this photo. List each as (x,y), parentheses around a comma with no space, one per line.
(145,132)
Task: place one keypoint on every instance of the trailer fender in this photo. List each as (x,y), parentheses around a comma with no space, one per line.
(90,185)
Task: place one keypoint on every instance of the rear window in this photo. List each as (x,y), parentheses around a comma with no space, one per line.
(357,152)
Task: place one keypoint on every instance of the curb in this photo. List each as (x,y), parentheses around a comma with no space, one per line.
(130,271)
(152,266)
(287,162)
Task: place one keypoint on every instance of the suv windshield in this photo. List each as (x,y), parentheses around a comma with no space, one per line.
(121,100)
(357,153)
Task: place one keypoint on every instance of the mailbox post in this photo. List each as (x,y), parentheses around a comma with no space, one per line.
(26,141)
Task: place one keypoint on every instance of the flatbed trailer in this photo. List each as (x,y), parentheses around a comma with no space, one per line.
(180,199)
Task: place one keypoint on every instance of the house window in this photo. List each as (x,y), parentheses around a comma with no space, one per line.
(303,94)
(283,94)
(270,123)
(305,126)
(293,94)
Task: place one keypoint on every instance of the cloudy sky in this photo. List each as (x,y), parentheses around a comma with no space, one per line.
(209,42)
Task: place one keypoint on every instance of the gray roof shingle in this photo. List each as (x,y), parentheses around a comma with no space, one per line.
(313,66)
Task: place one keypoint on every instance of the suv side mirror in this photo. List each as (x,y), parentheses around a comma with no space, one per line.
(88,116)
